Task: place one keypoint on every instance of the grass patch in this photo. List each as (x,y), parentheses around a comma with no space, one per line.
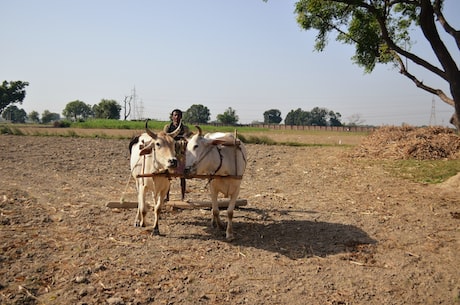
(425,171)
(153,124)
(71,134)
(256,140)
(7,129)
(297,144)
(116,124)
(320,132)
(264,140)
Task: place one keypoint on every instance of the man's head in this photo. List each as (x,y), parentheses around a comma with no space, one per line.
(176,115)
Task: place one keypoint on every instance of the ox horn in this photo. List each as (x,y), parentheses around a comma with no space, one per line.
(149,132)
(174,133)
(200,132)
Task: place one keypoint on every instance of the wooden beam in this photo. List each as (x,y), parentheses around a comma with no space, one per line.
(203,204)
(122,205)
(175,175)
(178,204)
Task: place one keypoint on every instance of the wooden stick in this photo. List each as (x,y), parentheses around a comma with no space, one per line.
(178,204)
(174,175)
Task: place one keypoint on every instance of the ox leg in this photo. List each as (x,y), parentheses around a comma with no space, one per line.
(141,208)
(215,221)
(183,186)
(157,199)
(231,206)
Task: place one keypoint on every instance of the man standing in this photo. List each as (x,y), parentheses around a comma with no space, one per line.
(180,145)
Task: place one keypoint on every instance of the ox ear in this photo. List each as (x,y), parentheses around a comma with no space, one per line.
(189,137)
(145,150)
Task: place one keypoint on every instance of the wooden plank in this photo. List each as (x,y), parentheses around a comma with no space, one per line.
(177,204)
(203,204)
(122,205)
(176,175)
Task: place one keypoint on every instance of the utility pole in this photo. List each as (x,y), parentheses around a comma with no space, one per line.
(133,95)
(141,110)
(433,113)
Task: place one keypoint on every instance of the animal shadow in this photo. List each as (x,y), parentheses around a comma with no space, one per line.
(293,238)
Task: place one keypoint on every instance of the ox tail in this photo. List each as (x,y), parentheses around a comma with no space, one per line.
(133,141)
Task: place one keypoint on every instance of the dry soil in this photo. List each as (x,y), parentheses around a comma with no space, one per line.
(320,227)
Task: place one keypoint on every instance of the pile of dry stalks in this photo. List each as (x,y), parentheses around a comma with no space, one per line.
(407,142)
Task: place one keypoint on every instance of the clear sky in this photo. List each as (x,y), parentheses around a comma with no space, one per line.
(246,54)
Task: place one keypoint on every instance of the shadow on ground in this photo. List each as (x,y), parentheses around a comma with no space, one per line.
(289,237)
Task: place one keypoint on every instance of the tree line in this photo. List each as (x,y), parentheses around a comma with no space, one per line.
(14,92)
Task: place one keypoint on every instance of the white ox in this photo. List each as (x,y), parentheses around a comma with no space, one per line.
(152,153)
(218,155)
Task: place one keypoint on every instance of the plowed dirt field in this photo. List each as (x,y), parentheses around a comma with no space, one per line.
(320,227)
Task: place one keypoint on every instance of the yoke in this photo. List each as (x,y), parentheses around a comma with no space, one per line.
(226,142)
(186,176)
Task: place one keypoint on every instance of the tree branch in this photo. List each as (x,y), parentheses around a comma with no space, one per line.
(446,26)
(420,84)
(428,26)
(386,37)
(413,2)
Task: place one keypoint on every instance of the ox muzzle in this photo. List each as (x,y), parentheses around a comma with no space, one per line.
(172,163)
(190,170)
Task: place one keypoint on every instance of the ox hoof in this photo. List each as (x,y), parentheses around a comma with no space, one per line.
(217,224)
(156,232)
(230,238)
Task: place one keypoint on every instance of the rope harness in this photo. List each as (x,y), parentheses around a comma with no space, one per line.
(147,149)
(180,145)
(221,157)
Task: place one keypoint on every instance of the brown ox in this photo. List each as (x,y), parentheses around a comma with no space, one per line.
(152,153)
(223,157)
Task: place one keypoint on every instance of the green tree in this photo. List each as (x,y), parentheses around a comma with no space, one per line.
(107,109)
(76,110)
(197,114)
(229,117)
(48,117)
(333,118)
(272,116)
(324,117)
(298,117)
(12,92)
(14,114)
(318,117)
(381,30)
(34,116)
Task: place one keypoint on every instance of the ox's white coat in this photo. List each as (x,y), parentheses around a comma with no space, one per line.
(208,156)
(160,158)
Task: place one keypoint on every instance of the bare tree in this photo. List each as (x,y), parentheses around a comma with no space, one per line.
(127,106)
(355,119)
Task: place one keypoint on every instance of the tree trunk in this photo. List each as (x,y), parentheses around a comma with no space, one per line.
(451,72)
(455,89)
